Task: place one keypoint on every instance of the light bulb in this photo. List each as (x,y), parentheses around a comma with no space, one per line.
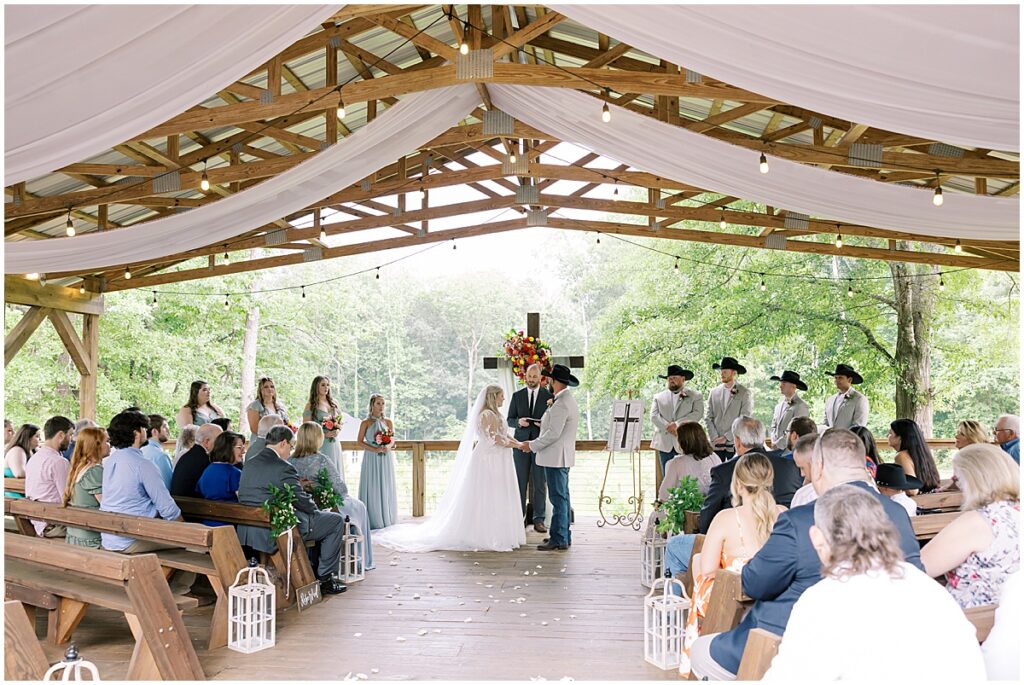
(764,164)
(378,273)
(42,279)
(70,228)
(227,302)
(512,158)
(606,113)
(81,289)
(464,47)
(454,246)
(722,224)
(763,285)
(942,284)
(204,184)
(615,194)
(323,234)
(341,108)
(598,240)
(677,264)
(32,276)
(839,241)
(303,292)
(958,248)
(127,273)
(849,290)
(227,259)
(154,297)
(423,192)
(937,198)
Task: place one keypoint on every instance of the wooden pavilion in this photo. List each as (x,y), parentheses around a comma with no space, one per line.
(347,73)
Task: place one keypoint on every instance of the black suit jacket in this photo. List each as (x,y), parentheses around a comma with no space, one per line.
(787,481)
(187,471)
(786,566)
(519,408)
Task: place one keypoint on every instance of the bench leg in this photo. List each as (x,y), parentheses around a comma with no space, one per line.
(219,620)
(64,619)
(142,665)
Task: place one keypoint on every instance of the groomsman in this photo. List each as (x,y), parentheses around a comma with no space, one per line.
(726,403)
(524,414)
(847,407)
(672,407)
(791,406)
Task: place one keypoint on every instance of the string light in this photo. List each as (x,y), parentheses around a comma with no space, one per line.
(677,264)
(127,273)
(32,276)
(423,191)
(454,246)
(154,297)
(839,241)
(323,233)
(849,289)
(378,274)
(227,300)
(42,279)
(722,224)
(763,166)
(70,228)
(204,183)
(937,198)
(227,257)
(958,248)
(615,193)
(512,156)
(464,46)
(303,292)
(942,284)
(598,238)
(606,113)
(81,289)
(341,105)
(763,285)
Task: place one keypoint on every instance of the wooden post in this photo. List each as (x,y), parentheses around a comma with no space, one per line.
(87,388)
(419,473)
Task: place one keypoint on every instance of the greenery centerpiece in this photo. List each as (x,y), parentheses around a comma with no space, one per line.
(323,492)
(682,499)
(281,509)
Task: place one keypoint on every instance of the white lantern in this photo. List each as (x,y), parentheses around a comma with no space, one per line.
(652,559)
(71,667)
(664,623)
(352,568)
(252,618)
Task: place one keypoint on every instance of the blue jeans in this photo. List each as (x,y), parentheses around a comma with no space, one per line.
(665,457)
(558,493)
(677,553)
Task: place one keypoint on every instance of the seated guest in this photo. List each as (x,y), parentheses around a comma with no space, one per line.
(787,563)
(191,465)
(1001,648)
(980,548)
(186,440)
(159,433)
(694,457)
(224,423)
(893,483)
(83,423)
(85,481)
(798,427)
(865,580)
(870,448)
(271,467)
(308,461)
(8,431)
(734,537)
(913,455)
(219,481)
(19,449)
(802,457)
(970,432)
(132,485)
(259,442)
(46,473)
(1007,433)
(748,436)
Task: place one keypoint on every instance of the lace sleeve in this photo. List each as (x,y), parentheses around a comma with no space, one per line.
(492,428)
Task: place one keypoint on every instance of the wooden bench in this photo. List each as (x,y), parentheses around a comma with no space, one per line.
(14,485)
(941,501)
(982,618)
(761,648)
(196,509)
(726,605)
(23,657)
(211,552)
(927,526)
(39,570)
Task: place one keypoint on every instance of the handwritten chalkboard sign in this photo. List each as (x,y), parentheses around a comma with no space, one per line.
(308,595)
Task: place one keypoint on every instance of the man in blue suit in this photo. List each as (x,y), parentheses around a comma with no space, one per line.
(787,564)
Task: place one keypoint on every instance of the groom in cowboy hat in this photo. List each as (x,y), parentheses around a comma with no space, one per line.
(847,407)
(672,407)
(726,403)
(791,406)
(556,452)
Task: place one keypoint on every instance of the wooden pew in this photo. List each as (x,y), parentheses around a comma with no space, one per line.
(761,648)
(726,604)
(212,552)
(197,509)
(983,618)
(132,584)
(927,526)
(23,657)
(943,501)
(14,485)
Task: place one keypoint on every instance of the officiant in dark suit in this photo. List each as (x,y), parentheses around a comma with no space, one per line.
(524,414)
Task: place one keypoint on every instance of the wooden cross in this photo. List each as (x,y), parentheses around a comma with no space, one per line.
(533,329)
(625,421)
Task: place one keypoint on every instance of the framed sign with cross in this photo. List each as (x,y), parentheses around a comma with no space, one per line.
(624,435)
(533,330)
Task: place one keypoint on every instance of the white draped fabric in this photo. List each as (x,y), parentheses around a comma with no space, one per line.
(80,79)
(659,148)
(942,72)
(412,122)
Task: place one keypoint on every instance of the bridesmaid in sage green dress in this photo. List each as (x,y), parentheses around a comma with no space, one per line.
(377,477)
(319,407)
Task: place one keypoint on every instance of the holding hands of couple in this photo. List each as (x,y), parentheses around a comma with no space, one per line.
(525,423)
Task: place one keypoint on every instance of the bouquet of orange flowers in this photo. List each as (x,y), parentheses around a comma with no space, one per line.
(331,423)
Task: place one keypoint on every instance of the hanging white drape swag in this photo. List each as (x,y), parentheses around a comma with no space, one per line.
(80,79)
(946,73)
(665,150)
(408,125)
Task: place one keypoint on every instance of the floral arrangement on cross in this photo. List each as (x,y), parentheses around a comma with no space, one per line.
(521,350)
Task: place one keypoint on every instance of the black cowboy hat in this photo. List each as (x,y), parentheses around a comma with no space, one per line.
(845,370)
(729,363)
(892,476)
(676,370)
(790,377)
(561,373)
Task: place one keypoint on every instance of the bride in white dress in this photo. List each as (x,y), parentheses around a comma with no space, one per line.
(480,509)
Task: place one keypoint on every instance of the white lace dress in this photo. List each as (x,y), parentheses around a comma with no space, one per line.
(480,510)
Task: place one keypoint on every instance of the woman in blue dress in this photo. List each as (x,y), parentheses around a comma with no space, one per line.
(319,407)
(266,403)
(308,459)
(377,477)
(220,479)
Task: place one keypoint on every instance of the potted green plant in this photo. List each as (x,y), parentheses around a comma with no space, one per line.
(682,508)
